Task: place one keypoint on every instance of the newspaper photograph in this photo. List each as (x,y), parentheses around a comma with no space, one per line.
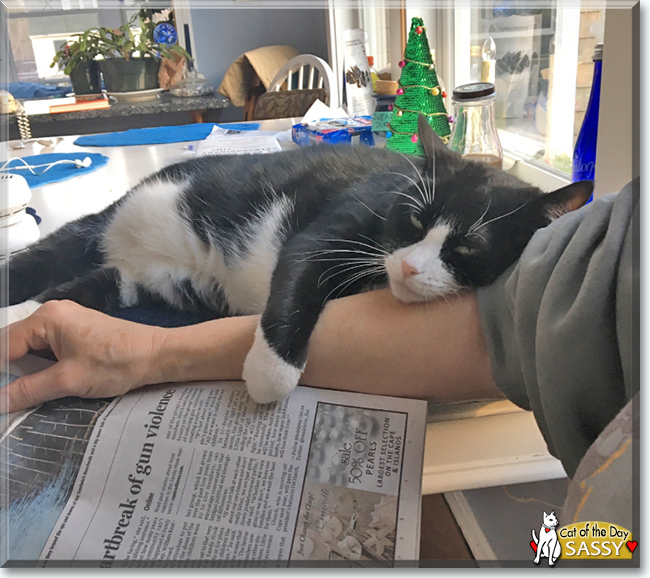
(41,449)
(349,503)
(200,475)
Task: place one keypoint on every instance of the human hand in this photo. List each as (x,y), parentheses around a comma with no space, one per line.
(98,355)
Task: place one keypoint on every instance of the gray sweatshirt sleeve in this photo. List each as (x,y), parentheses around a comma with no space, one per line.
(560,323)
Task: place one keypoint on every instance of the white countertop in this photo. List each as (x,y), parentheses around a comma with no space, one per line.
(59,203)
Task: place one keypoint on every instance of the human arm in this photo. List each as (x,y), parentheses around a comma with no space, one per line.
(370,343)
(560,323)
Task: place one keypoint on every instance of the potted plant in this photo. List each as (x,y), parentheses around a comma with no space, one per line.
(131,61)
(77,59)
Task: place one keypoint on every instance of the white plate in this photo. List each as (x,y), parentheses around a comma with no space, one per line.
(136,95)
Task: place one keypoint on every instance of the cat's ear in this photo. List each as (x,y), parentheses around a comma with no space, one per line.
(545,514)
(430,142)
(566,199)
(435,149)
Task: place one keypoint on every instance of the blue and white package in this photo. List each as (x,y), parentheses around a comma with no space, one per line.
(357,130)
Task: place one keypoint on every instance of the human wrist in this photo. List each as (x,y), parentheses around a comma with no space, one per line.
(214,350)
(160,361)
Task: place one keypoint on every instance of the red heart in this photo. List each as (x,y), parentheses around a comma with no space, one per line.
(632,545)
(533,546)
(548,530)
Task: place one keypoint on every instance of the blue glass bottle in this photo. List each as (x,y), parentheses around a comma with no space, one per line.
(584,153)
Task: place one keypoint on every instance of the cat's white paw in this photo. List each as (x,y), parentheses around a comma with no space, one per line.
(268,377)
(18,312)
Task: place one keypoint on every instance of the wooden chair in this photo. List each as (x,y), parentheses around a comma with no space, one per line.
(306,72)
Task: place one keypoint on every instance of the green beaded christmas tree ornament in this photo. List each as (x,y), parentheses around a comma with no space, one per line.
(418,92)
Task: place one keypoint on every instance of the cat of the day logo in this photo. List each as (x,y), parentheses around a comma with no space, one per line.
(582,541)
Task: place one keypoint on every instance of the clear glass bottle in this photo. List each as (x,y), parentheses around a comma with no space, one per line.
(584,152)
(474,132)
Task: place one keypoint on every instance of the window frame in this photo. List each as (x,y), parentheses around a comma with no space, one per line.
(53,12)
(444,23)
(454,69)
(105,14)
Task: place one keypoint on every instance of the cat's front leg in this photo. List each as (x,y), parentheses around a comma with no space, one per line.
(275,363)
(268,376)
(307,276)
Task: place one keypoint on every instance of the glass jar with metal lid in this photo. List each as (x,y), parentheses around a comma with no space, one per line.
(474,132)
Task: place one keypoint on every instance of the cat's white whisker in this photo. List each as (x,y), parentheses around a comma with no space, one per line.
(351,241)
(502,216)
(409,197)
(446,300)
(371,271)
(367,207)
(416,209)
(432,188)
(379,246)
(346,268)
(422,192)
(478,222)
(342,250)
(347,264)
(346,283)
(373,253)
(477,235)
(333,251)
(345,259)
(412,198)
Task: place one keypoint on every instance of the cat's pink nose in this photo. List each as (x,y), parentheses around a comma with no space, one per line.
(408,270)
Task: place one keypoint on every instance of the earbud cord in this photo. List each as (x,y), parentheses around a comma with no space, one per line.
(31,168)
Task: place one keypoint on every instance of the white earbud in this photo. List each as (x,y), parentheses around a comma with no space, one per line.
(82,164)
(78,163)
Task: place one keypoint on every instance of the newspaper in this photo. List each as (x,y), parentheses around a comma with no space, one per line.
(21,367)
(235,142)
(198,474)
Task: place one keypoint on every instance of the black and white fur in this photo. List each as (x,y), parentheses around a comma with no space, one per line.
(283,234)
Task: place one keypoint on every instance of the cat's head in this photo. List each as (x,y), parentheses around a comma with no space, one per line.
(550,520)
(462,223)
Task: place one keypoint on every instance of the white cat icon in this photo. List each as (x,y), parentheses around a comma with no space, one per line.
(548,545)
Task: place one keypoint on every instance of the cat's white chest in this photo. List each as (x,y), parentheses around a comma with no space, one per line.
(153,245)
(246,281)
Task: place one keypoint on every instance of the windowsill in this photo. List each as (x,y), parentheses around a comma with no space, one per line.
(546,179)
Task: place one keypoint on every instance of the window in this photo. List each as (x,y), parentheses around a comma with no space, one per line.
(375,22)
(38,28)
(543,72)
(543,69)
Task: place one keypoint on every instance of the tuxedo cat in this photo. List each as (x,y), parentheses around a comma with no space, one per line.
(283,234)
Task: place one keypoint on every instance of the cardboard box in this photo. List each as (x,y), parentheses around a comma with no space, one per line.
(253,69)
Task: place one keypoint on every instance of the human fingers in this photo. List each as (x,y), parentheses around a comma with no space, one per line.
(98,356)
(30,390)
(30,333)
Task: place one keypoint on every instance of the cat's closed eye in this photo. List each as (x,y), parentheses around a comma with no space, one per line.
(462,250)
(416,222)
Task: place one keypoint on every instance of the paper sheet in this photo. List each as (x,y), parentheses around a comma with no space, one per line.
(233,142)
(198,472)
